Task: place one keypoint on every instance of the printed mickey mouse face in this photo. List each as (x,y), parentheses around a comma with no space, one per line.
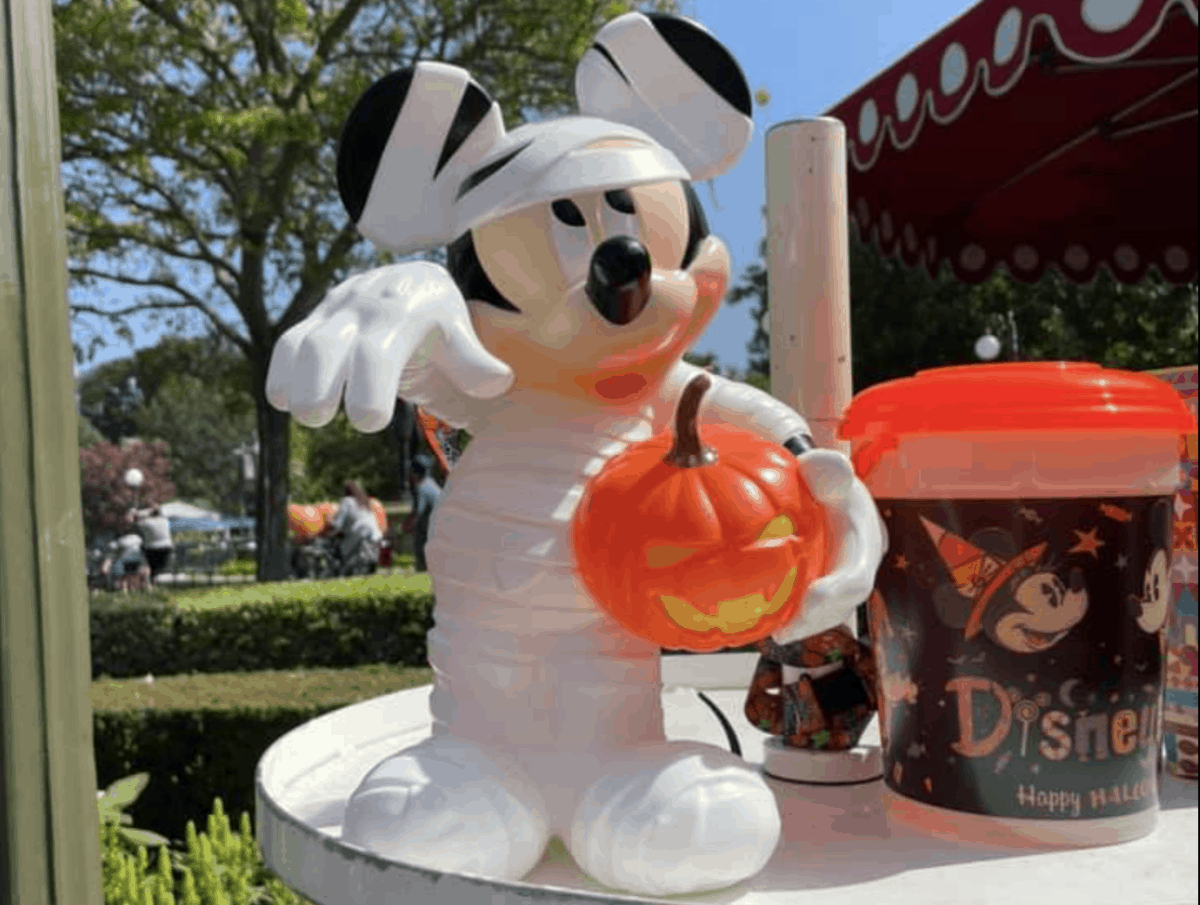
(600,304)
(1151,608)
(1046,611)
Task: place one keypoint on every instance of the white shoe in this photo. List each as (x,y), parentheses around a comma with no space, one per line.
(449,805)
(679,818)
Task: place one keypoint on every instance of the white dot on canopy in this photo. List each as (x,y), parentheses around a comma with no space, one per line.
(954,68)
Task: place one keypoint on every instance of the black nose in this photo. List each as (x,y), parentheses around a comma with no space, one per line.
(618,280)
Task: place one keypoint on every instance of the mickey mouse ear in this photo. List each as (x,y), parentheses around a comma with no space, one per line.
(405,148)
(673,80)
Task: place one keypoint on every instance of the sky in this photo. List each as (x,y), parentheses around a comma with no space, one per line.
(808,54)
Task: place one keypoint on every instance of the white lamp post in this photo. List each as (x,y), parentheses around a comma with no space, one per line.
(987,347)
(134,478)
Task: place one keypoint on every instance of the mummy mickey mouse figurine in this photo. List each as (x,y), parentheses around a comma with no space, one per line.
(580,268)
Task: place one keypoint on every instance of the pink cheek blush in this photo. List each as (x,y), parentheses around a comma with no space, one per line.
(621,386)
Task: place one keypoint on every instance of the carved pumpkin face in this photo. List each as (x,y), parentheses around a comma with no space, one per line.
(700,551)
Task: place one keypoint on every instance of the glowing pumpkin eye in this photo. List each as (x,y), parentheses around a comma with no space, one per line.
(780,526)
(666,555)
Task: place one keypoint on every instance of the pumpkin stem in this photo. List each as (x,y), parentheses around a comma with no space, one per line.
(688,451)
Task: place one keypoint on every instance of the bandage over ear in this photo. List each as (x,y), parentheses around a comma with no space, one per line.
(424,155)
(405,149)
(673,80)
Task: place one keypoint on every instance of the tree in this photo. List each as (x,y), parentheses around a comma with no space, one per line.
(193,395)
(710,362)
(903,322)
(201,436)
(107,499)
(109,398)
(336,453)
(88,435)
(198,155)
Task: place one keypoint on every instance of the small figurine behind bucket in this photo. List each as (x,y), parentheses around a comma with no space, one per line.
(818,712)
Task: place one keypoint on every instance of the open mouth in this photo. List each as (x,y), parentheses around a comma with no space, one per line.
(620,387)
(1040,640)
(732,616)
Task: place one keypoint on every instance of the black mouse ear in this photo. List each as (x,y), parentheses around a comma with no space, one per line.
(996,541)
(1161,523)
(406,145)
(365,136)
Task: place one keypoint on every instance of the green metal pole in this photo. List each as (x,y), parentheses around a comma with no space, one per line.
(49,846)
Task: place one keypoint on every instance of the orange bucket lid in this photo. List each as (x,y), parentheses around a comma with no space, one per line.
(1017,396)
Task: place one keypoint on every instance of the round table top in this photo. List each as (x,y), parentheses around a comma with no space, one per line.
(837,846)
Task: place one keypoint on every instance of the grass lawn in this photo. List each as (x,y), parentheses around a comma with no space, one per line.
(266,689)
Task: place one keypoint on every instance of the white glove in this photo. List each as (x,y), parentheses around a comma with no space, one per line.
(858,544)
(378,333)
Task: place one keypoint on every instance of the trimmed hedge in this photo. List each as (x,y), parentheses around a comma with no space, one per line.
(340,627)
(192,757)
(201,737)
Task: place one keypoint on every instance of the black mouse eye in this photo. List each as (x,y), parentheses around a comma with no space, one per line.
(567,212)
(620,200)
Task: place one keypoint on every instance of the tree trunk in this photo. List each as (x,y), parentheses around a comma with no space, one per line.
(402,431)
(273,478)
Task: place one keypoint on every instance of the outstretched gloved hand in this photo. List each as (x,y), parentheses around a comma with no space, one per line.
(403,329)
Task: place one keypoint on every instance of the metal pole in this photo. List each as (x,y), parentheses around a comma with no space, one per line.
(808,272)
(49,844)
(1015,350)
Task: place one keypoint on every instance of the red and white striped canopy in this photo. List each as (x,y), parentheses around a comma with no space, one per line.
(1031,133)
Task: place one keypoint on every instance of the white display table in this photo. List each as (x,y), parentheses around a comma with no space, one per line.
(837,845)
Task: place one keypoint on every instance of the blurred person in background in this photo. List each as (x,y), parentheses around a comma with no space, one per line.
(360,533)
(157,545)
(425,493)
(126,567)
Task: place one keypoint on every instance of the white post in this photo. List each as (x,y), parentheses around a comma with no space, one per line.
(808,277)
(808,272)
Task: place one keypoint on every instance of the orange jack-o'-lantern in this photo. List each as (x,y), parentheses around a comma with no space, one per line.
(699,542)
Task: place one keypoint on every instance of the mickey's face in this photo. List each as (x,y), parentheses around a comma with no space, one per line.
(1045,610)
(1150,609)
(598,293)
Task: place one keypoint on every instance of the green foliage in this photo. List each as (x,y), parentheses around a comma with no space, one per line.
(193,395)
(108,601)
(88,435)
(295,687)
(203,735)
(902,321)
(112,803)
(199,145)
(325,458)
(238,567)
(344,625)
(217,867)
(109,396)
(709,361)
